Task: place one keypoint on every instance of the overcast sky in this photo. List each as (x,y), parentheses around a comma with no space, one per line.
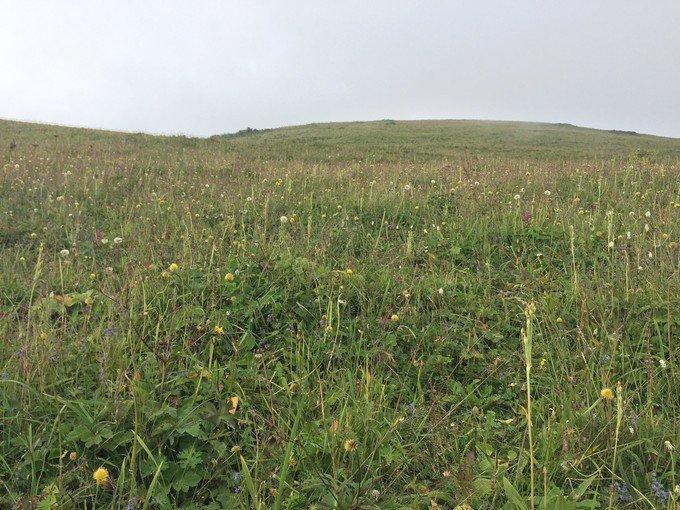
(201,68)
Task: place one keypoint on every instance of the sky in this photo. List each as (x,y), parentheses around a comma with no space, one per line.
(208,67)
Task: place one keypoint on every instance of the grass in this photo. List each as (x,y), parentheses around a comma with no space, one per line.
(364,315)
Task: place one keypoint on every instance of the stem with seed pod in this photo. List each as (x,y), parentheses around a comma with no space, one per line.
(527,339)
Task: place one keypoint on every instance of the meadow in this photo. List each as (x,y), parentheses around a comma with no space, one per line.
(385,315)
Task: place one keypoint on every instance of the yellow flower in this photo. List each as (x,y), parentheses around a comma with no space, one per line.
(101,476)
(350,445)
(394,317)
(234,404)
(607,393)
(229,277)
(349,271)
(173,267)
(218,330)
(464,506)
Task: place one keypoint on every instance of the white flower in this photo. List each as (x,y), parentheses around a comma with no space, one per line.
(117,240)
(668,446)
(441,291)
(648,214)
(249,199)
(407,187)
(283,219)
(610,244)
(646,227)
(662,363)
(517,197)
(105,241)
(547,193)
(628,234)
(64,252)
(649,254)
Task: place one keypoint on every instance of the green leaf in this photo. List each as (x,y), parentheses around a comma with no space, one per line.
(513,496)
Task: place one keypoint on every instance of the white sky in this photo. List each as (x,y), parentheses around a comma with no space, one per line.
(201,67)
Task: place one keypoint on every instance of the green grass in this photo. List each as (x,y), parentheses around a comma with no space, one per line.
(432,323)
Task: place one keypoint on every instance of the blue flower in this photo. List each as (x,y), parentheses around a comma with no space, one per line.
(622,492)
(659,490)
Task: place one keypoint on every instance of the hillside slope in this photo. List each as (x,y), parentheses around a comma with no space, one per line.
(376,141)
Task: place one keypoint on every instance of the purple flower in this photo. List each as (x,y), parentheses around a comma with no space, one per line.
(622,492)
(659,490)
(526,216)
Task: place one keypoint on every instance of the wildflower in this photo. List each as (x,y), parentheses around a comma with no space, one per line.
(349,271)
(394,317)
(668,446)
(375,494)
(229,277)
(234,404)
(104,241)
(350,445)
(73,456)
(117,240)
(101,476)
(648,214)
(173,267)
(610,244)
(440,291)
(407,187)
(218,330)
(659,490)
(517,197)
(547,193)
(607,394)
(283,219)
(622,492)
(662,363)
(64,252)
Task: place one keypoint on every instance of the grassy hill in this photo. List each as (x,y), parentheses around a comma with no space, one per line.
(382,141)
(435,314)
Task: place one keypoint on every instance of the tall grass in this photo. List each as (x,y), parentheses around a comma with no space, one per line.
(161,319)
